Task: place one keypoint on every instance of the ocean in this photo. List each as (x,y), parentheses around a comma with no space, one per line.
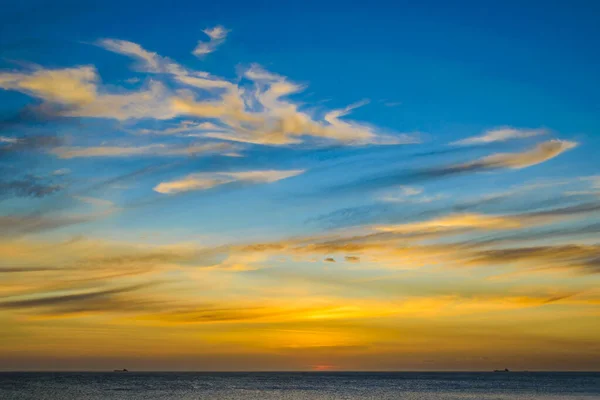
(300,386)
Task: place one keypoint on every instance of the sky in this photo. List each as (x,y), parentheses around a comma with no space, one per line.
(267,185)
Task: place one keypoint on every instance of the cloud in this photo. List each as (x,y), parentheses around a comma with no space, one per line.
(582,258)
(28,143)
(75,91)
(96,202)
(154,102)
(15,225)
(184,128)
(281,122)
(203,181)
(542,152)
(52,274)
(69,86)
(457,221)
(5,139)
(61,172)
(149,150)
(500,135)
(76,298)
(148,61)
(448,241)
(217,36)
(151,62)
(527,236)
(261,114)
(28,186)
(278,121)
(19,270)
(409,195)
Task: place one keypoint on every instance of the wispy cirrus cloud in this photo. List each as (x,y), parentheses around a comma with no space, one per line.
(208,180)
(6,139)
(75,93)
(148,61)
(217,36)
(500,135)
(263,115)
(456,221)
(540,153)
(149,150)
(68,86)
(583,259)
(184,128)
(450,241)
(518,160)
(29,186)
(16,225)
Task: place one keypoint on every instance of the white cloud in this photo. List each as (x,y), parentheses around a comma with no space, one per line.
(500,135)
(61,172)
(594,181)
(207,180)
(217,36)
(186,128)
(151,62)
(6,139)
(148,61)
(216,33)
(154,102)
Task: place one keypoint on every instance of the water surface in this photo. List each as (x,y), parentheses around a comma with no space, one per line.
(300,386)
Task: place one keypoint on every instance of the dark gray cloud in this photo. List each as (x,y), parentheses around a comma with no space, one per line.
(533,235)
(16,270)
(79,299)
(580,258)
(22,144)
(28,186)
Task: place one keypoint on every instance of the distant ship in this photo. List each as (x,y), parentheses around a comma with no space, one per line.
(502,370)
(121,370)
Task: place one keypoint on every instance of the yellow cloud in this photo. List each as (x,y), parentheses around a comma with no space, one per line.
(262,115)
(540,153)
(69,86)
(457,221)
(77,89)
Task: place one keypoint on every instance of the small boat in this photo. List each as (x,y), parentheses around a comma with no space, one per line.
(121,370)
(502,370)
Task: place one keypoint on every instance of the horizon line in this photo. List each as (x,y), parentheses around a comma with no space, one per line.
(298,371)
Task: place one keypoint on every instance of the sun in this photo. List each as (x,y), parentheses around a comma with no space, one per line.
(323,367)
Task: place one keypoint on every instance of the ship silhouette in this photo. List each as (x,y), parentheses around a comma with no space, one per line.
(121,370)
(502,370)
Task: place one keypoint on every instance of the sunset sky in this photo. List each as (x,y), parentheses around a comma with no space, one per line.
(322,185)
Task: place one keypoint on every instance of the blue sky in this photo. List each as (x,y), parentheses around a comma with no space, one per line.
(323,150)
